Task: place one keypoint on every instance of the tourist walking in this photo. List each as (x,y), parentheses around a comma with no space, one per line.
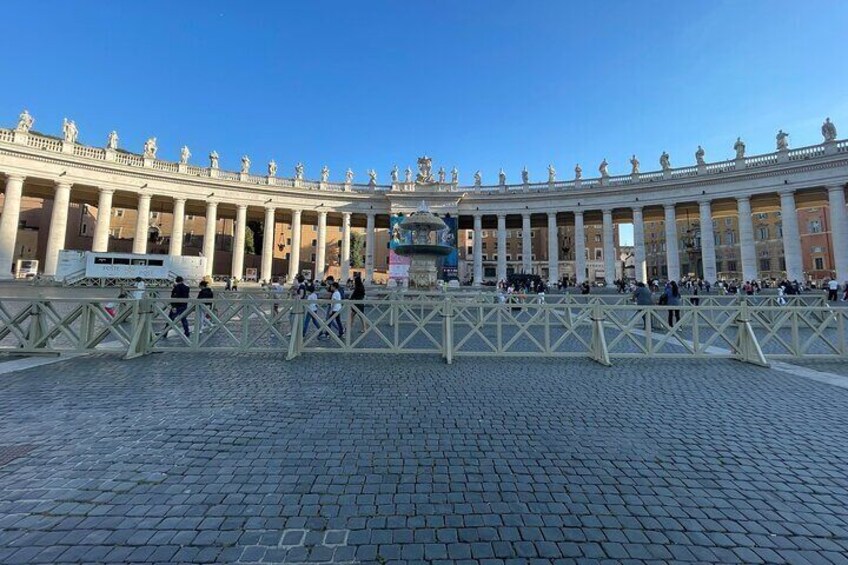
(334,310)
(205,293)
(138,293)
(358,294)
(672,294)
(643,297)
(832,290)
(311,312)
(178,308)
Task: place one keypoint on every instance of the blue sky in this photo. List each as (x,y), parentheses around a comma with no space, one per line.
(476,84)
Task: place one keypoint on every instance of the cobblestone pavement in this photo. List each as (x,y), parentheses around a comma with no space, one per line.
(351,459)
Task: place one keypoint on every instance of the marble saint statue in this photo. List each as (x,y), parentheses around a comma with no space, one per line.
(828,130)
(665,161)
(185,155)
(272,168)
(782,140)
(602,168)
(739,147)
(112,140)
(245,164)
(325,174)
(372,177)
(298,171)
(441,175)
(69,130)
(395,174)
(25,122)
(634,165)
(525,176)
(150,148)
(578,172)
(478,178)
(551,173)
(501,177)
(407,177)
(699,156)
(349,177)
(454,175)
(213,160)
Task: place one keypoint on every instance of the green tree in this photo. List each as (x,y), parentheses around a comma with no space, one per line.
(357,249)
(249,238)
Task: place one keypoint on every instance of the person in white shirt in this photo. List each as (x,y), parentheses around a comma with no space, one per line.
(832,290)
(334,312)
(311,313)
(138,293)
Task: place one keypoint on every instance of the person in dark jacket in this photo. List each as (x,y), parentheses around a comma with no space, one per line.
(672,298)
(357,296)
(178,307)
(206,295)
(643,297)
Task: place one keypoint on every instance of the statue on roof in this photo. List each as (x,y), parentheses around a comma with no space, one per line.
(245,165)
(69,130)
(634,165)
(739,147)
(185,155)
(699,156)
(112,140)
(213,160)
(782,140)
(665,161)
(425,170)
(828,130)
(25,122)
(150,148)
(272,168)
(325,173)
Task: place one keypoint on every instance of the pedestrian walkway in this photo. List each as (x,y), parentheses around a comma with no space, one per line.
(245,459)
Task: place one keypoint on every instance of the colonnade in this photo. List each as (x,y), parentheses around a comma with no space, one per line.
(838,220)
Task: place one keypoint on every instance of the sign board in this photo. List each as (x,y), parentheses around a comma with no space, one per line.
(77,265)
(251,274)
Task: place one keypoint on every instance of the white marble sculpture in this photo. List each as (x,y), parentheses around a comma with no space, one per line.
(325,173)
(739,147)
(782,140)
(25,122)
(578,172)
(828,131)
(395,174)
(69,130)
(298,171)
(441,175)
(551,173)
(112,140)
(348,176)
(150,148)
(699,156)
(634,165)
(245,165)
(425,170)
(407,176)
(665,161)
(478,178)
(525,176)
(185,155)
(501,177)
(602,168)
(454,175)
(272,168)
(372,177)
(213,160)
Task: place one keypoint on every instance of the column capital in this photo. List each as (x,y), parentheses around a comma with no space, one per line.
(637,207)
(705,201)
(296,213)
(501,215)
(552,214)
(111,191)
(211,204)
(270,208)
(526,214)
(60,183)
(577,213)
(835,187)
(15,176)
(671,206)
(242,206)
(743,198)
(179,198)
(346,215)
(606,211)
(323,213)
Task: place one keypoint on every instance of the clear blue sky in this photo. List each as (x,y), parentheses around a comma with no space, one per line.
(476,84)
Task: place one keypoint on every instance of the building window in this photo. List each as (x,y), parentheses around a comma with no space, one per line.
(762,216)
(779,230)
(119,212)
(730,238)
(765,264)
(520,234)
(484,233)
(484,245)
(288,256)
(485,257)
(599,254)
(728,222)
(717,238)
(469,251)
(814,226)
(508,257)
(520,257)
(84,228)
(469,234)
(288,241)
(731,265)
(819,263)
(312,258)
(314,243)
(154,215)
(764,233)
(597,238)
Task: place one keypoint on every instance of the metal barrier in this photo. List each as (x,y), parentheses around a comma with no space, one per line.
(449,326)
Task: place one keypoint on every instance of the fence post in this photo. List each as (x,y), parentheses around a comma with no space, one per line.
(142,329)
(296,339)
(747,347)
(598,351)
(447,333)
(87,324)
(37,330)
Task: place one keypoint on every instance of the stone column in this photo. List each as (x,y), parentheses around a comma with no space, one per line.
(839,230)
(639,259)
(238,242)
(708,255)
(58,227)
(501,247)
(791,237)
(579,248)
(294,254)
(478,249)
(747,250)
(176,247)
(672,253)
(100,240)
(268,244)
(142,224)
(369,247)
(211,229)
(9,221)
(320,252)
(553,248)
(344,260)
(526,244)
(609,249)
